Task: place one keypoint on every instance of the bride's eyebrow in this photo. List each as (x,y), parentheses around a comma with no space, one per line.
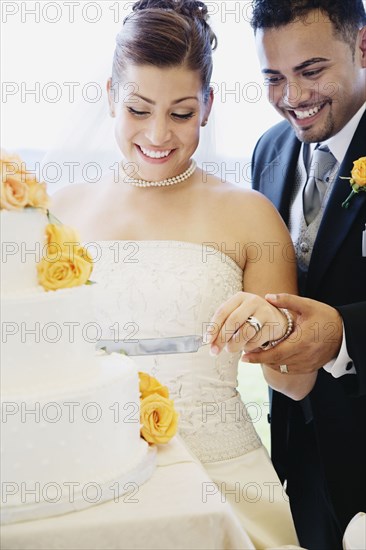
(184,99)
(151,102)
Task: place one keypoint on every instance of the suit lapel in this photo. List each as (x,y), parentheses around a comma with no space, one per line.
(336,220)
(279,177)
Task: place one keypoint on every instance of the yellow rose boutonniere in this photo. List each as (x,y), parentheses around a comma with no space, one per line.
(357,180)
(159,419)
(65,262)
(19,188)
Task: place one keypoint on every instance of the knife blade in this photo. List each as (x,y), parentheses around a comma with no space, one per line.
(154,346)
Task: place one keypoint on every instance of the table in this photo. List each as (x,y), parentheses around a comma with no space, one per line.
(177,508)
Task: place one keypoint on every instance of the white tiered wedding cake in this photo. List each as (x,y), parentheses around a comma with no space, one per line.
(70,426)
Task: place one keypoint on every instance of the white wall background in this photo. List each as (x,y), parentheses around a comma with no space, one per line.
(60,42)
(46,45)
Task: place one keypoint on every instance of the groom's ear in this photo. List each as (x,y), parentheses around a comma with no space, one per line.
(208,106)
(362,46)
(111,99)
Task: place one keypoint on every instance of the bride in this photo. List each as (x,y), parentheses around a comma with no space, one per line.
(177,243)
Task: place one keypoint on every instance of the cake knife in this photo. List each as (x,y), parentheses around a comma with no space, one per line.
(154,346)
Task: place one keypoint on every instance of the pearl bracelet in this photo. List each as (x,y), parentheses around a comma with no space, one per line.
(290,327)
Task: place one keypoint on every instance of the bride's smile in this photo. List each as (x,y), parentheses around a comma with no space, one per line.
(154,156)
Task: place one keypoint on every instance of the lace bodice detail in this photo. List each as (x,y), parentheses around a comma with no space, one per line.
(172,288)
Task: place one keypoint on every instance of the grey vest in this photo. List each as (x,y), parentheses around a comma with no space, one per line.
(304,235)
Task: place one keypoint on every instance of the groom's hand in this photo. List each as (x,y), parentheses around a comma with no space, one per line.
(316,340)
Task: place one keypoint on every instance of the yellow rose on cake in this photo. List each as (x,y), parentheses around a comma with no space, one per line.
(38,197)
(61,238)
(65,262)
(150,385)
(64,272)
(159,419)
(19,188)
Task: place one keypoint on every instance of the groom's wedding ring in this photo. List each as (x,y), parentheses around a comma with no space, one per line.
(253,322)
(283,369)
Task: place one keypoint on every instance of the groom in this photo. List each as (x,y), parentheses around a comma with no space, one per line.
(313,58)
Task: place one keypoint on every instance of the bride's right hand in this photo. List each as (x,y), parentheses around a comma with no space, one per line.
(229,327)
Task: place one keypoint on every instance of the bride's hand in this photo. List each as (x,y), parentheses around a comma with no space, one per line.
(244,322)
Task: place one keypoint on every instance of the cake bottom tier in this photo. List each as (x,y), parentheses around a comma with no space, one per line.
(68,450)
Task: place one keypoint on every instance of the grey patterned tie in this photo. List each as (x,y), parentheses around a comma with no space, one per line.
(322,163)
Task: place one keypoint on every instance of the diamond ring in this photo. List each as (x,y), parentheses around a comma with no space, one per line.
(284,369)
(253,322)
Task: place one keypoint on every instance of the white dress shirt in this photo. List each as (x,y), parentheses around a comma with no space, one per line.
(338,145)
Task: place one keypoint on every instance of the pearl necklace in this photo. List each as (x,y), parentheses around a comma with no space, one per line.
(169,181)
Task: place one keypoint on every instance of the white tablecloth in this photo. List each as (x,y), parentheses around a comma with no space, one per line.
(176,509)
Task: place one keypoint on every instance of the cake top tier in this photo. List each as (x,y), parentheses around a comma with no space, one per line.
(22,248)
(35,254)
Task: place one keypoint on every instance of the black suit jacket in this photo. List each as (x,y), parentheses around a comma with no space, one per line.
(319,445)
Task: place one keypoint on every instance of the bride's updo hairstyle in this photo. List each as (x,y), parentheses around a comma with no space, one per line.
(166,33)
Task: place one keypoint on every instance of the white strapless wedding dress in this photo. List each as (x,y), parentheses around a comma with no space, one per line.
(172,288)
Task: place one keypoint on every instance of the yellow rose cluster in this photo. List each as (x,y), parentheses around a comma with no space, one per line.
(159,419)
(65,262)
(19,188)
